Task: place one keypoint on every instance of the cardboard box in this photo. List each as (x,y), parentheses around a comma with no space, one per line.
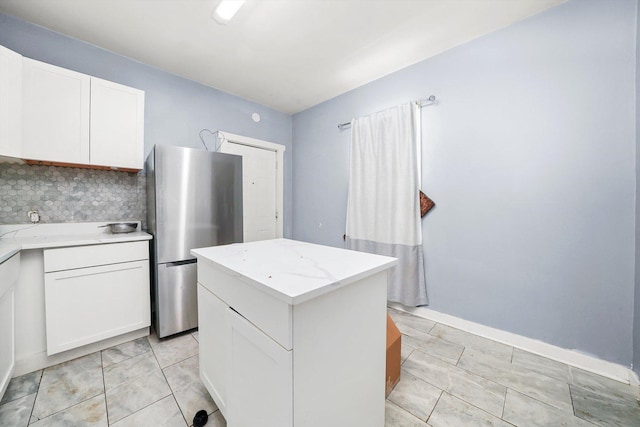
(393,356)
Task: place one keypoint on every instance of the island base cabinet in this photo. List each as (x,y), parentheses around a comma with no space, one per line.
(87,305)
(214,354)
(261,378)
(334,375)
(246,372)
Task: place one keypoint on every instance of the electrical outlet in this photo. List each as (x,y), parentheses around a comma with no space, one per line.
(34,217)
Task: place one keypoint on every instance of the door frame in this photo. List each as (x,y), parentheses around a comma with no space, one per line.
(265,145)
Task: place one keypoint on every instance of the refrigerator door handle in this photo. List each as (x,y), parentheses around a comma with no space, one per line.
(179,263)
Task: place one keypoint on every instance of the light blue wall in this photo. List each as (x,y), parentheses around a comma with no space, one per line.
(176,109)
(529,156)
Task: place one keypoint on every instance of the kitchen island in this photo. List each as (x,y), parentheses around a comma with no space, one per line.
(293,334)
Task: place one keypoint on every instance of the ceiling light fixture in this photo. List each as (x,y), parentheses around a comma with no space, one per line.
(226,10)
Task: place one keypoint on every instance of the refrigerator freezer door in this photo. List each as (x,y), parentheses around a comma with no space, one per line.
(198,198)
(176,298)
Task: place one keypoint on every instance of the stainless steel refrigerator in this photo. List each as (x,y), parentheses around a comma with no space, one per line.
(194,200)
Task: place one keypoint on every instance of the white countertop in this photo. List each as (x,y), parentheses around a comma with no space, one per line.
(294,271)
(25,236)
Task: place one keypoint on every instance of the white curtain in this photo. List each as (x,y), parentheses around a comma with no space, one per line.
(383,212)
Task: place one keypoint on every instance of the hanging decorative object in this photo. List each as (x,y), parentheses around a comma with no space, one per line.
(425,204)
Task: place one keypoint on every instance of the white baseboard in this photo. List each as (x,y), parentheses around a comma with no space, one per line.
(570,357)
(34,362)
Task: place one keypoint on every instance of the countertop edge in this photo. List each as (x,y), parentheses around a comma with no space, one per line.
(11,246)
(6,253)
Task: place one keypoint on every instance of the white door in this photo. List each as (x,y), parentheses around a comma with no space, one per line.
(260,216)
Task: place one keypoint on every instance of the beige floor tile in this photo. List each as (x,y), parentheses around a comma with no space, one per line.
(522,410)
(68,384)
(411,325)
(541,365)
(90,413)
(118,373)
(442,349)
(472,388)
(173,349)
(394,416)
(453,412)
(135,394)
(541,387)
(191,395)
(415,395)
(467,340)
(21,386)
(163,413)
(125,351)
(605,409)
(16,413)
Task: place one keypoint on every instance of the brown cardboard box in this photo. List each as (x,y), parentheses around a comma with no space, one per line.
(393,356)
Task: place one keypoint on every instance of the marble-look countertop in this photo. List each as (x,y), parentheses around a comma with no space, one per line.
(294,271)
(25,236)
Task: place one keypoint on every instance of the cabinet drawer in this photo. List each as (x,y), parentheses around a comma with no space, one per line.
(272,316)
(88,256)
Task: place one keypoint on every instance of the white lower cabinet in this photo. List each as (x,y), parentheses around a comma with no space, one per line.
(244,365)
(102,292)
(214,370)
(8,277)
(261,371)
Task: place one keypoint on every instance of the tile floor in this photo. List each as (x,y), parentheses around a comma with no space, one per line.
(453,378)
(449,378)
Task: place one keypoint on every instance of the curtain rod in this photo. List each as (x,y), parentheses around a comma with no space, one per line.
(421,103)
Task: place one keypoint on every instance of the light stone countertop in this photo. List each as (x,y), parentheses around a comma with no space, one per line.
(8,248)
(25,236)
(294,271)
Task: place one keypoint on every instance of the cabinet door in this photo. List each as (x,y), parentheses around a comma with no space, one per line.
(10,103)
(55,113)
(7,339)
(91,304)
(214,337)
(117,125)
(261,378)
(9,272)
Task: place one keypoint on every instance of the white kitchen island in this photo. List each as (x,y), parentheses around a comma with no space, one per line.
(293,334)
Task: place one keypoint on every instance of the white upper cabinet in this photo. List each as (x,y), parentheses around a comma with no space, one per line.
(10,103)
(70,117)
(55,113)
(117,125)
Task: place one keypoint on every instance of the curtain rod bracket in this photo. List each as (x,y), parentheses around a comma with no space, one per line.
(421,103)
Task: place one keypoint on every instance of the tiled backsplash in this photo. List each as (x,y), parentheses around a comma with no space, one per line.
(62,194)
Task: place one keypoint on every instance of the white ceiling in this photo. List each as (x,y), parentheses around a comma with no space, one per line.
(286,54)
